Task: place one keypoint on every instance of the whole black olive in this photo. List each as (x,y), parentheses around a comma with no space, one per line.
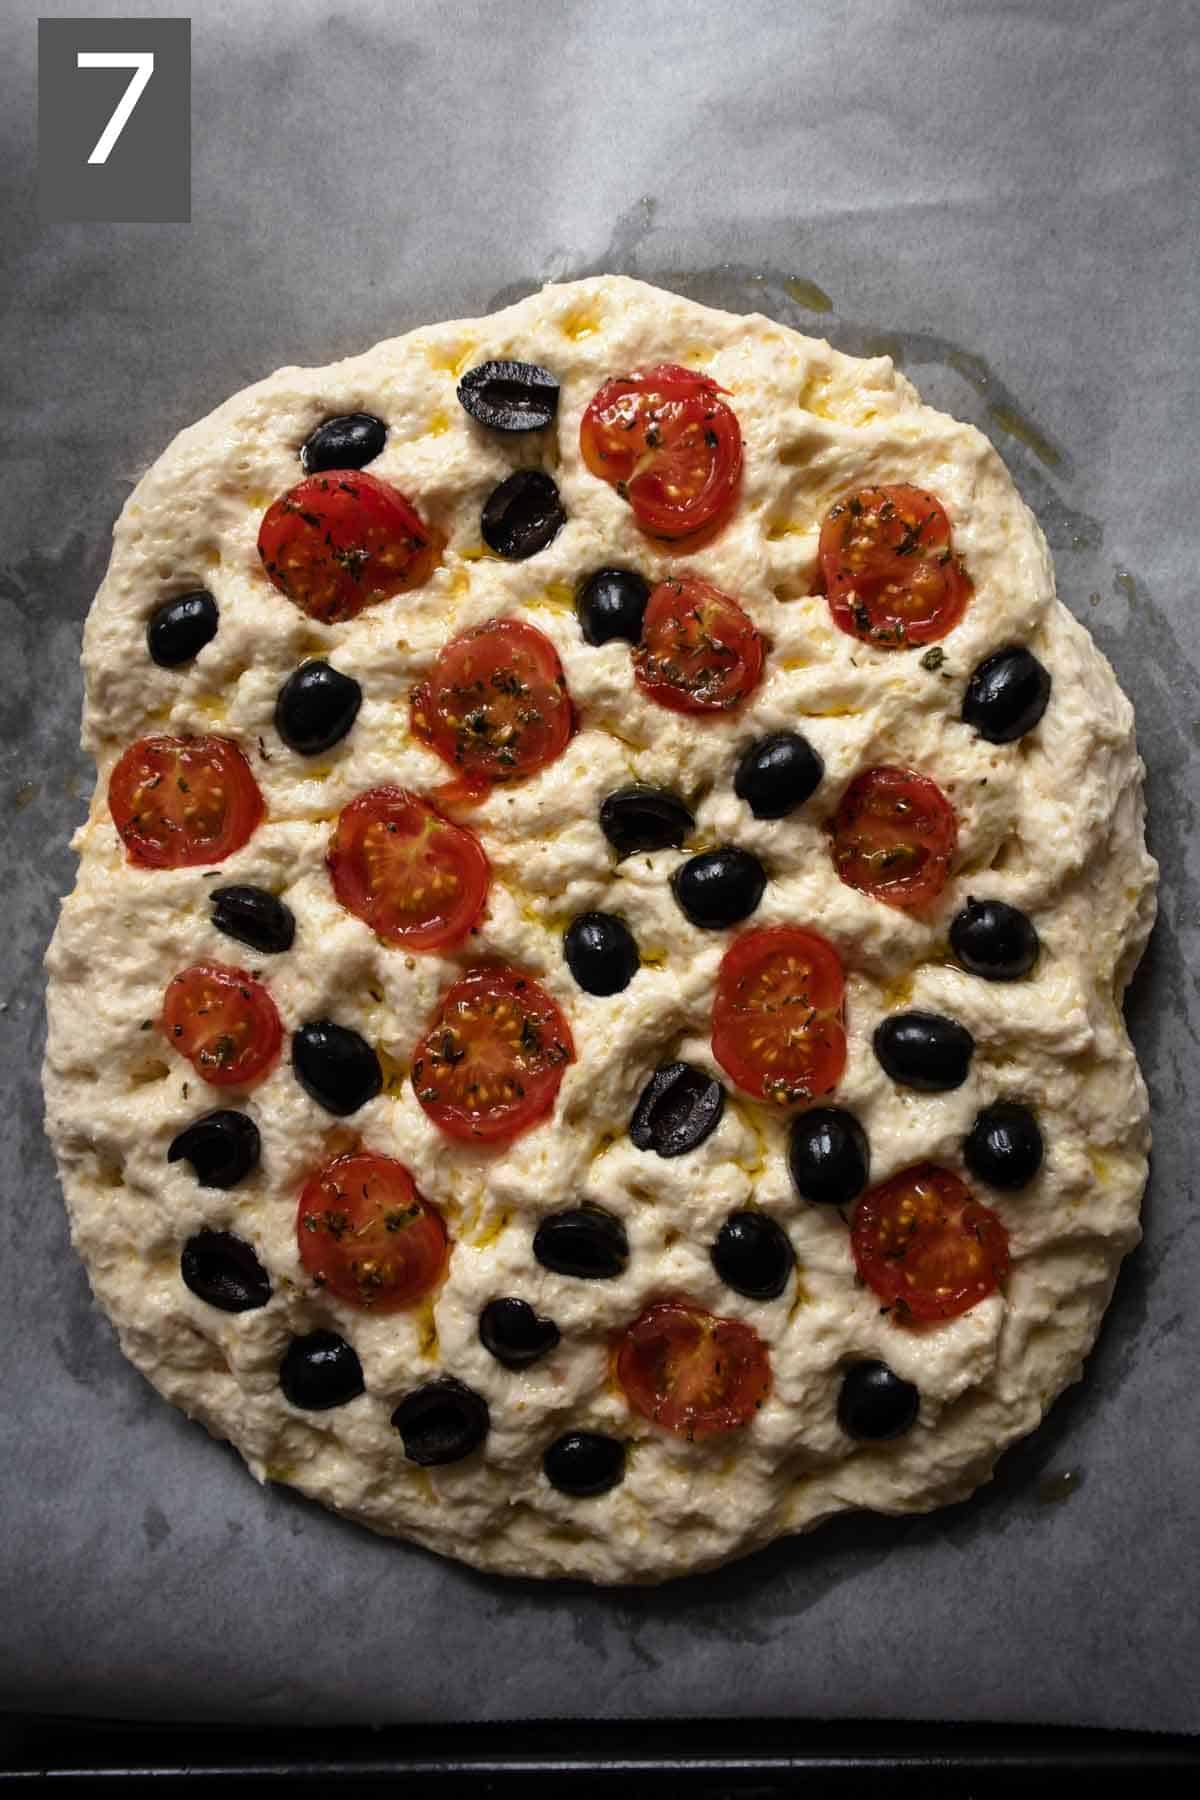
(719,887)
(601,953)
(924,1051)
(514,1334)
(584,1463)
(180,629)
(1007,695)
(994,940)
(336,1066)
(522,515)
(586,1241)
(349,441)
(644,818)
(753,1255)
(1004,1146)
(222,1148)
(778,774)
(316,707)
(677,1109)
(829,1156)
(223,1270)
(875,1404)
(510,396)
(254,917)
(319,1371)
(611,604)
(441,1422)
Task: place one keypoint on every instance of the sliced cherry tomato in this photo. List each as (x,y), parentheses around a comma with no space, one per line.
(495,705)
(224,1022)
(668,445)
(690,1371)
(926,1246)
(890,572)
(367,1236)
(698,652)
(412,876)
(491,1061)
(894,835)
(342,540)
(181,801)
(778,1023)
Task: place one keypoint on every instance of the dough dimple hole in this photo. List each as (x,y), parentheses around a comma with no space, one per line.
(1009,854)
(150,1069)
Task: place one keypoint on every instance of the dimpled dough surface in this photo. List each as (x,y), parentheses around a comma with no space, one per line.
(1051,823)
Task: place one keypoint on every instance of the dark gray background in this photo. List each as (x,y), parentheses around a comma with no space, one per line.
(1008,193)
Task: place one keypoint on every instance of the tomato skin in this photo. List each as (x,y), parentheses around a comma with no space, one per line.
(367,1236)
(699,651)
(689,1371)
(495,705)
(224,1022)
(343,540)
(888,564)
(926,1246)
(669,445)
(893,836)
(779,1026)
(181,802)
(419,881)
(490,1064)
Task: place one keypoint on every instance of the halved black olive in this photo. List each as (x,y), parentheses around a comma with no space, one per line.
(644,818)
(510,396)
(1004,1146)
(829,1156)
(924,1050)
(584,1463)
(875,1403)
(601,953)
(223,1270)
(336,1066)
(254,917)
(612,604)
(349,441)
(994,940)
(441,1422)
(586,1241)
(753,1255)
(522,515)
(222,1148)
(719,888)
(1007,695)
(180,629)
(319,1371)
(677,1109)
(316,707)
(514,1334)
(778,774)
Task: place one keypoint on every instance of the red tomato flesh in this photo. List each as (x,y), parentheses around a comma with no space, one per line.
(224,1022)
(342,540)
(416,879)
(778,1019)
(490,1064)
(177,802)
(926,1246)
(698,652)
(366,1235)
(669,445)
(893,837)
(495,705)
(890,572)
(691,1372)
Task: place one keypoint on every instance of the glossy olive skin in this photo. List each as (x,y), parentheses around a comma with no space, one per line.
(778,774)
(1004,1146)
(1007,695)
(180,629)
(994,940)
(677,1109)
(252,916)
(514,1334)
(612,604)
(925,1051)
(586,1242)
(320,1371)
(222,1147)
(335,1066)
(753,1255)
(719,888)
(601,953)
(316,707)
(829,1156)
(441,1422)
(584,1463)
(223,1271)
(875,1404)
(510,396)
(644,818)
(349,441)
(522,515)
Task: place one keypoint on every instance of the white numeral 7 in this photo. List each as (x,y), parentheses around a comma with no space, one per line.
(142,64)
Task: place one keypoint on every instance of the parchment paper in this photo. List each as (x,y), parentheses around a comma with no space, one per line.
(1005,193)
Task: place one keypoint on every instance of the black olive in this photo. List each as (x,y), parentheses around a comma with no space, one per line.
(584,1463)
(222,1148)
(829,1156)
(441,1422)
(223,1270)
(644,818)
(514,1334)
(587,1241)
(1007,695)
(350,441)
(677,1109)
(875,1403)
(753,1255)
(180,629)
(316,707)
(611,604)
(924,1051)
(719,887)
(778,774)
(319,1371)
(601,953)
(1004,1146)
(994,940)
(510,396)
(336,1066)
(254,917)
(522,515)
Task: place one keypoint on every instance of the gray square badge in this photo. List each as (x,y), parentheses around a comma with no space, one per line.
(115,119)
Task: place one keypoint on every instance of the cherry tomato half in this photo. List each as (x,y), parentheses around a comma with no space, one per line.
(416,879)
(926,1246)
(691,1372)
(366,1235)
(891,575)
(342,540)
(893,837)
(778,1023)
(495,704)
(490,1064)
(669,445)
(698,652)
(224,1022)
(178,802)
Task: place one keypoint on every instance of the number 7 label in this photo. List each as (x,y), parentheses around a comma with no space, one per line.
(142,64)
